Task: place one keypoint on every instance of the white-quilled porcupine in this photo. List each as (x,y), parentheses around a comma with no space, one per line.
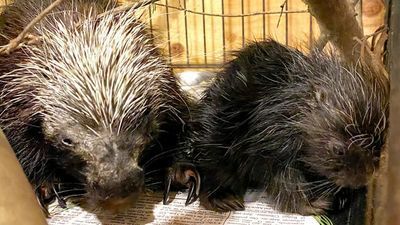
(307,130)
(92,110)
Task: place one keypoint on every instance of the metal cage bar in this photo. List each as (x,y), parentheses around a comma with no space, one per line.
(223,30)
(264,34)
(286,23)
(242,10)
(168,32)
(186,35)
(204,32)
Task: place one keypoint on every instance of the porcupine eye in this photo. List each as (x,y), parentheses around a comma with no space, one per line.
(67,142)
(338,150)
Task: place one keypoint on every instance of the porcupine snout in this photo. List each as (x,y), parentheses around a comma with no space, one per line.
(113,174)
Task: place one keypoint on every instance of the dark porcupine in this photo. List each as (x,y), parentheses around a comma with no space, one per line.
(305,129)
(92,111)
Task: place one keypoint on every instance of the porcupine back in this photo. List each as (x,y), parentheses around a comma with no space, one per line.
(269,116)
(102,72)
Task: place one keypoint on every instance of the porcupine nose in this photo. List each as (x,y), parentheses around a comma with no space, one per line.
(116,195)
(115,174)
(121,187)
(358,170)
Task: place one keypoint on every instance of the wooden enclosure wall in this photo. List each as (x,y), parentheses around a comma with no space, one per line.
(207,36)
(207,32)
(195,32)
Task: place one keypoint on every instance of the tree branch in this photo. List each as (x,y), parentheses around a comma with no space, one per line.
(16,42)
(337,18)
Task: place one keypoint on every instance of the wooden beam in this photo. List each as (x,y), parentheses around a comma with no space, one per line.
(392,205)
(337,19)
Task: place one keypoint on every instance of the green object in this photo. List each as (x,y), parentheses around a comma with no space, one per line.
(323,220)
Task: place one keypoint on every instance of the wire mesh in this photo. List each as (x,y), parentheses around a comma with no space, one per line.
(204,33)
(204,47)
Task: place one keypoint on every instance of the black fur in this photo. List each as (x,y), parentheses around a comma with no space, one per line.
(302,128)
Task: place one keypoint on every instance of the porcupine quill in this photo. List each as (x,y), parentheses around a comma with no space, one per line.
(93,111)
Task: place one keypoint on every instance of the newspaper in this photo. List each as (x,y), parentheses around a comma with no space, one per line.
(193,83)
(150,210)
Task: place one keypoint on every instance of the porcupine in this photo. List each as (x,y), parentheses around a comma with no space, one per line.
(307,130)
(93,109)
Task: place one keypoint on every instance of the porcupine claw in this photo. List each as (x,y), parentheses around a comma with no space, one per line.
(194,185)
(61,201)
(184,174)
(167,187)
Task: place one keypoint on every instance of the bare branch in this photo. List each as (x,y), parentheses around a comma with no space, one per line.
(338,19)
(180,8)
(281,13)
(25,38)
(18,41)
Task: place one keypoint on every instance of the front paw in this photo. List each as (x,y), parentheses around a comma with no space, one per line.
(222,201)
(183,174)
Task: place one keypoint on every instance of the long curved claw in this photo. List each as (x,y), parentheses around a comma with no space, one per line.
(184,174)
(192,187)
(61,201)
(194,183)
(167,188)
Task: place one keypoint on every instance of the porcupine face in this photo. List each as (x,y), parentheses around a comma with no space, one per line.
(102,88)
(105,162)
(346,128)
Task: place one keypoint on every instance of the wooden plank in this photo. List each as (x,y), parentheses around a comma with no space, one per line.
(200,30)
(18,202)
(298,24)
(209,39)
(178,38)
(392,205)
(4,3)
(373,15)
(159,25)
(276,22)
(213,33)
(233,25)
(253,24)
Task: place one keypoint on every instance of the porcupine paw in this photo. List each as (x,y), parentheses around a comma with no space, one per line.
(222,201)
(183,174)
